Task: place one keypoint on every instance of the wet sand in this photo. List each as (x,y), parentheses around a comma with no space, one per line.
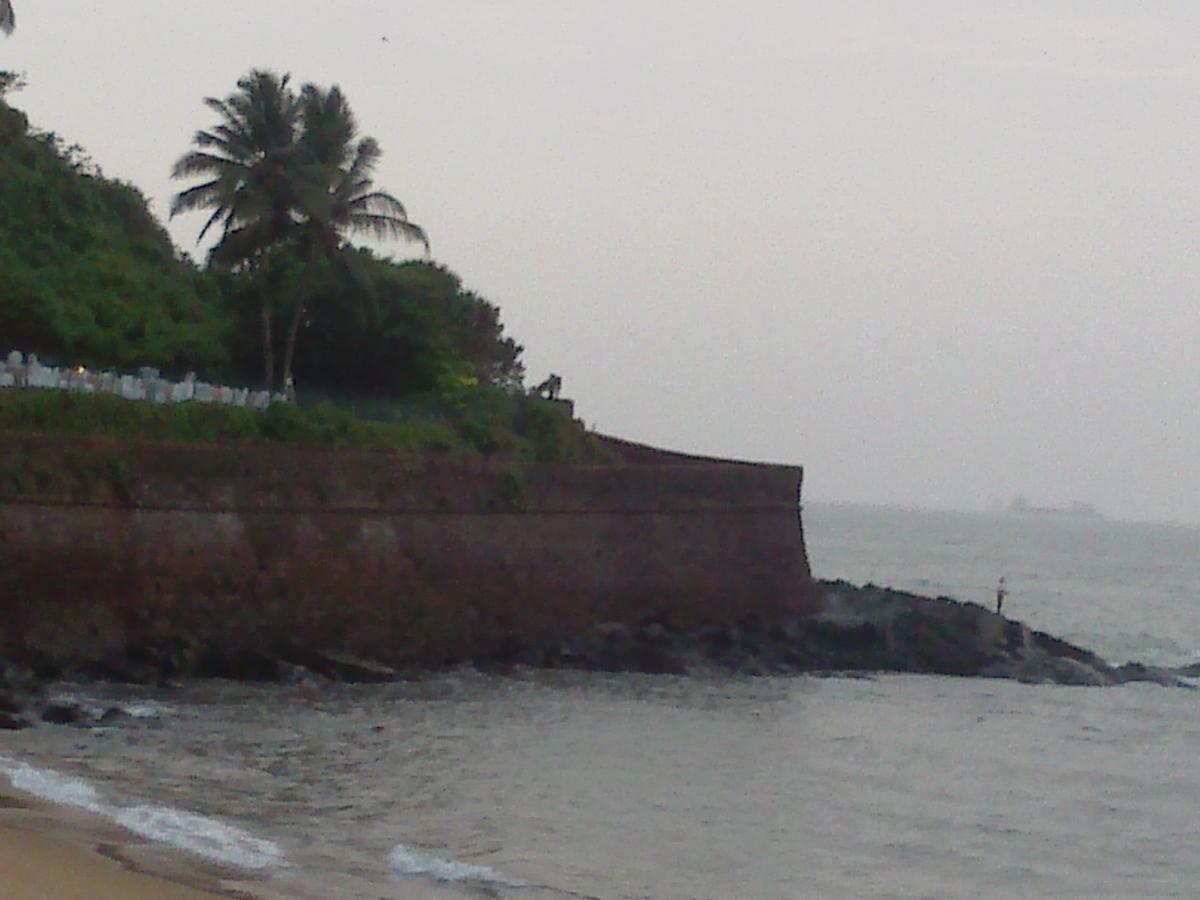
(34,866)
(48,851)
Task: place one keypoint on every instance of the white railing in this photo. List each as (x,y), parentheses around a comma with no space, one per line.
(19,371)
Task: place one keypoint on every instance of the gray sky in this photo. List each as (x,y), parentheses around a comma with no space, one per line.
(940,255)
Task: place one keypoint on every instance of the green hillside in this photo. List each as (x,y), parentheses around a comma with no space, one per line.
(86,272)
(393,354)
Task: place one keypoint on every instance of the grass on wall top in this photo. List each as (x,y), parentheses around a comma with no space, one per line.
(54,413)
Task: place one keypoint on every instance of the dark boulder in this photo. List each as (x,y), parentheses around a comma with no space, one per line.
(10,702)
(938,645)
(63,714)
(12,722)
(237,664)
(827,644)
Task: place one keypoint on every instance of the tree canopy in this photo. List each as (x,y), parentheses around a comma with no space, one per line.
(282,169)
(89,276)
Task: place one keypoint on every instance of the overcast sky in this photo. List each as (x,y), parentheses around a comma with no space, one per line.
(939,255)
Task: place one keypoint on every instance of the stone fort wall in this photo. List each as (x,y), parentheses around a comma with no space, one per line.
(409,560)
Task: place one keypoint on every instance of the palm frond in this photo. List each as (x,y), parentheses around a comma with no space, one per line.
(329,126)
(378,202)
(243,159)
(278,166)
(198,197)
(366,156)
(381,226)
(8,19)
(196,163)
(219,214)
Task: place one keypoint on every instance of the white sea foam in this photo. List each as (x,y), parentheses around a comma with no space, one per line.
(199,835)
(146,709)
(46,785)
(407,860)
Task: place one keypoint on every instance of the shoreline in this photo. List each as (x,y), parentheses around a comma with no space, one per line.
(50,850)
(54,850)
(858,629)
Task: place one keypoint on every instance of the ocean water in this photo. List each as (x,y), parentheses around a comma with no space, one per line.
(561,784)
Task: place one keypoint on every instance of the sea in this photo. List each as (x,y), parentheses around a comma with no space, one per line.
(581,785)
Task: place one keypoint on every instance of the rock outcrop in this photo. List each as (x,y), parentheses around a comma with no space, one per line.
(859,629)
(946,636)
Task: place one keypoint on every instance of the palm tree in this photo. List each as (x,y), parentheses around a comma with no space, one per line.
(283,169)
(336,194)
(8,20)
(346,166)
(248,159)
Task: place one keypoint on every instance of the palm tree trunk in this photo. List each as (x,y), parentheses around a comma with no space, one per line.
(268,347)
(289,352)
(256,269)
(308,255)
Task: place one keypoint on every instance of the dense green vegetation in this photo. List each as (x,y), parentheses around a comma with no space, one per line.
(88,274)
(519,428)
(392,329)
(384,353)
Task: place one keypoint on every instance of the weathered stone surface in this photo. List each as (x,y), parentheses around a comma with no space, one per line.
(860,629)
(63,713)
(208,560)
(12,722)
(238,664)
(411,561)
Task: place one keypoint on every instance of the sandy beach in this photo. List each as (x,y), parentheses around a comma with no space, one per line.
(34,866)
(51,852)
(48,851)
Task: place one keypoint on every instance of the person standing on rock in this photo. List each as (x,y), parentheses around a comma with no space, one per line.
(1001,593)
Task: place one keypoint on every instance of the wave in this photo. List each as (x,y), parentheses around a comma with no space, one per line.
(407,860)
(62,790)
(146,709)
(199,835)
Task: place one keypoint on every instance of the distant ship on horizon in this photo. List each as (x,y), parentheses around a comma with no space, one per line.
(1077,510)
